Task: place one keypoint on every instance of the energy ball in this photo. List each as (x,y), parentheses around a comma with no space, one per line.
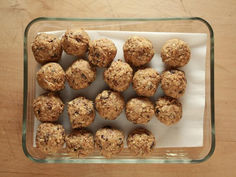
(139,110)
(138,51)
(51,77)
(80,143)
(118,76)
(80,74)
(141,142)
(175,53)
(46,48)
(168,110)
(109,104)
(81,112)
(50,137)
(48,107)
(146,81)
(109,141)
(75,42)
(173,83)
(102,52)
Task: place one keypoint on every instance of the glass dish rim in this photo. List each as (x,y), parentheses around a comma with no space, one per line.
(212,102)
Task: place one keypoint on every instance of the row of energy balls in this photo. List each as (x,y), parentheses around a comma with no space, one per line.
(138,51)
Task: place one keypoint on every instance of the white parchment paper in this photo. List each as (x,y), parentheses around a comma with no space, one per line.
(186,133)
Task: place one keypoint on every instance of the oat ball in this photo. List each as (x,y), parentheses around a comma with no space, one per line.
(50,137)
(168,110)
(109,104)
(146,81)
(102,52)
(80,74)
(51,77)
(138,51)
(80,143)
(48,107)
(173,83)
(141,142)
(118,76)
(75,42)
(139,110)
(109,141)
(46,48)
(175,53)
(81,112)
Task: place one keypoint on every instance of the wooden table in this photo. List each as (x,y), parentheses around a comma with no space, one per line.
(16,14)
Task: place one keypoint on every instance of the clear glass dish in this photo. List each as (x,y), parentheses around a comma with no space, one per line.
(160,155)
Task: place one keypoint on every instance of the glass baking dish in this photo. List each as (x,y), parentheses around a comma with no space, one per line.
(160,155)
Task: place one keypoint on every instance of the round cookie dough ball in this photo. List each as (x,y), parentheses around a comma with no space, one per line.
(141,142)
(175,53)
(139,110)
(51,77)
(80,74)
(48,107)
(46,48)
(118,76)
(109,104)
(50,137)
(173,83)
(102,52)
(80,143)
(138,51)
(75,42)
(81,112)
(109,141)
(146,81)
(168,110)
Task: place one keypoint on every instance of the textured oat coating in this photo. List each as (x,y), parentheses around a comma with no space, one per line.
(109,104)
(141,142)
(139,110)
(50,137)
(109,141)
(75,42)
(51,77)
(146,81)
(173,83)
(118,76)
(81,112)
(80,74)
(48,107)
(101,52)
(46,48)
(80,143)
(168,110)
(175,53)
(138,51)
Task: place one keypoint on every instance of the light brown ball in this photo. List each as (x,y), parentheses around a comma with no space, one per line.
(80,143)
(175,53)
(109,141)
(48,107)
(168,110)
(146,81)
(50,137)
(101,52)
(118,76)
(81,112)
(173,83)
(75,42)
(46,48)
(80,74)
(139,110)
(138,51)
(51,77)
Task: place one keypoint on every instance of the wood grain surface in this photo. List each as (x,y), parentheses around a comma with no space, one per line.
(15,15)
